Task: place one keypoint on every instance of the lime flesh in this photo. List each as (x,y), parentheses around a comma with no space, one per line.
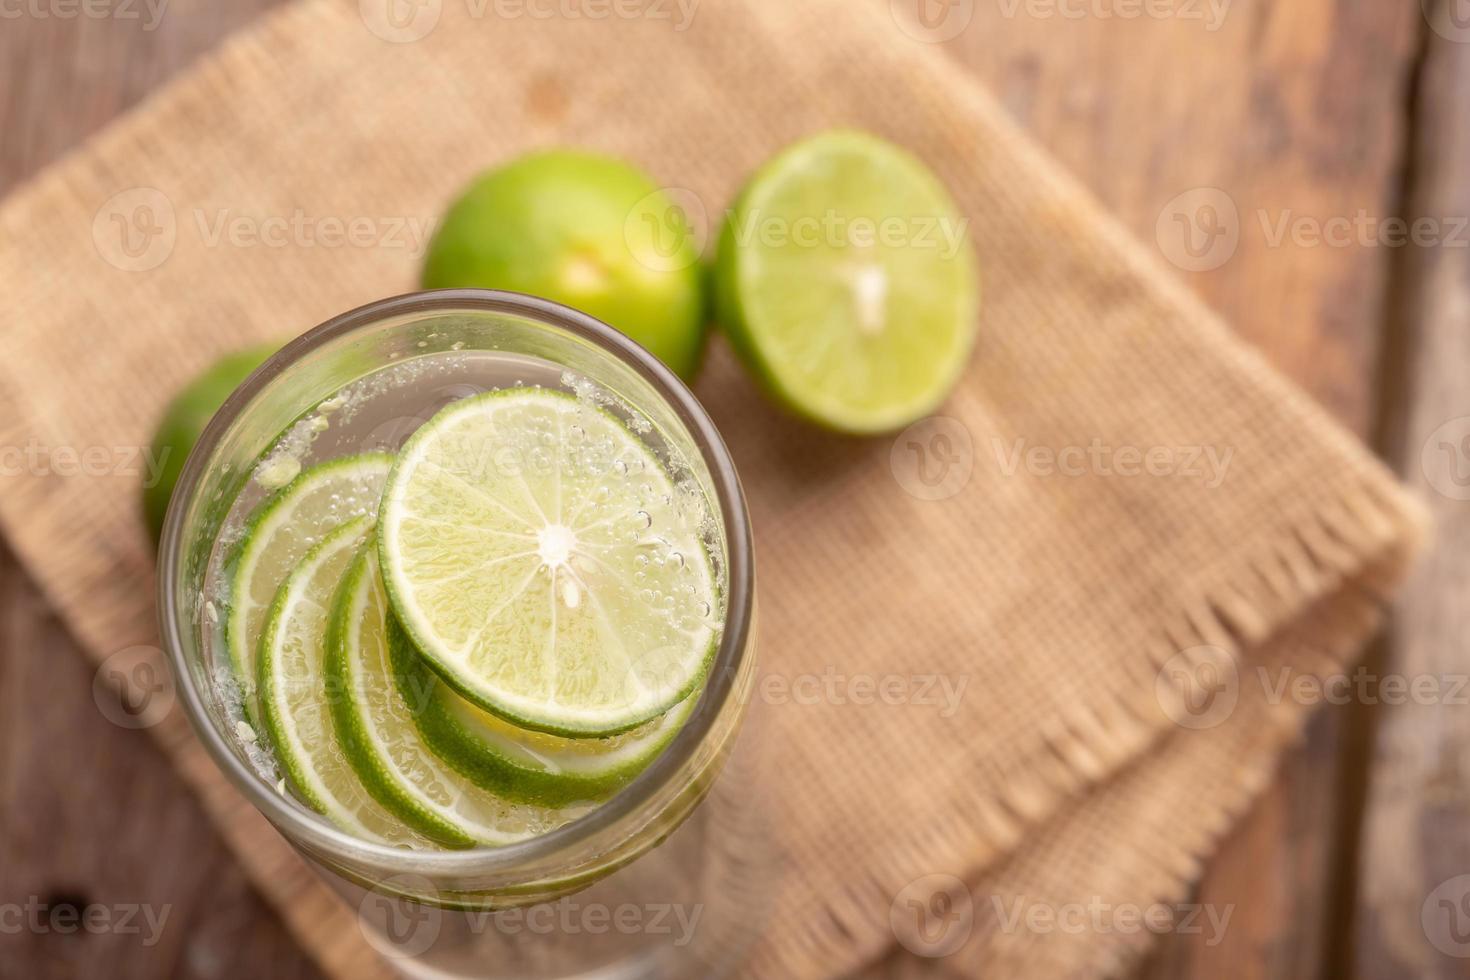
(846,282)
(544,563)
(280,534)
(528,765)
(375,695)
(295,699)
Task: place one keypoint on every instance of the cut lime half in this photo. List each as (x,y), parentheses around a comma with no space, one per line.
(546,565)
(846,281)
(279,535)
(295,699)
(377,691)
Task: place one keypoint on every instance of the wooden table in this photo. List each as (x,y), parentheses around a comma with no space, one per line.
(1298,111)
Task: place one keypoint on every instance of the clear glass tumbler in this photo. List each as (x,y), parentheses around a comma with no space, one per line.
(637,887)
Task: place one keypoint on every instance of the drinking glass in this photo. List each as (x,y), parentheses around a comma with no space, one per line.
(667,878)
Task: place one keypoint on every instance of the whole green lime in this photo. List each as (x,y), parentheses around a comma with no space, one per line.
(586,230)
(184,420)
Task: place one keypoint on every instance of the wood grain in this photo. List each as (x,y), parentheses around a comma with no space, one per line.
(1292,109)
(1413,905)
(91,815)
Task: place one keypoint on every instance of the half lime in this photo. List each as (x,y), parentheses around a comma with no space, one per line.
(846,281)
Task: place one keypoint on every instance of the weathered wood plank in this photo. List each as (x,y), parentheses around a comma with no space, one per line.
(1413,903)
(91,816)
(1292,108)
(1294,111)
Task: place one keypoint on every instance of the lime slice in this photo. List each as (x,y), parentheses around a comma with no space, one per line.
(526,765)
(846,282)
(280,534)
(544,563)
(295,702)
(377,692)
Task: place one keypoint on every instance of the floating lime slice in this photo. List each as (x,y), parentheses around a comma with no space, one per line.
(295,702)
(846,282)
(546,566)
(280,534)
(377,691)
(526,765)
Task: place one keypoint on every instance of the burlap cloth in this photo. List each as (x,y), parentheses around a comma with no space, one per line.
(1068,598)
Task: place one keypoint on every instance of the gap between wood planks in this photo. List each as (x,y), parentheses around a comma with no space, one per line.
(1393,385)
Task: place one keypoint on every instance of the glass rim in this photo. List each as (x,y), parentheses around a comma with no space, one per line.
(293,819)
